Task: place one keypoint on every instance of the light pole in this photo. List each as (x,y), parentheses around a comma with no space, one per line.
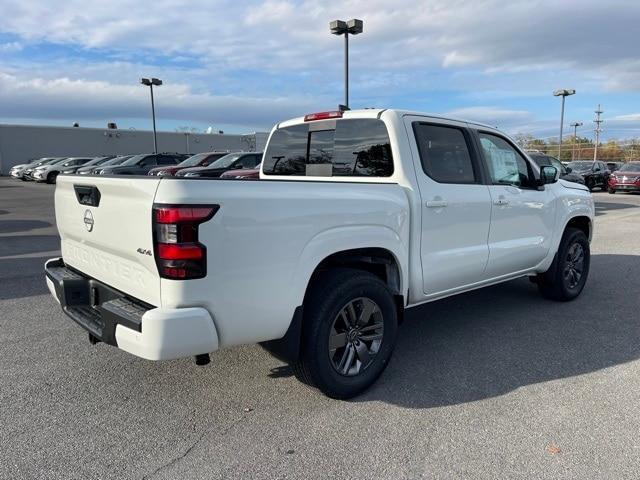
(575,126)
(150,83)
(339,27)
(562,93)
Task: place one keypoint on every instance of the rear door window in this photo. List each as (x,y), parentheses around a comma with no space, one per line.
(444,153)
(352,148)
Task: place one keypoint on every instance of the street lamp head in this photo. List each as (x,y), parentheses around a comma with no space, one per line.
(576,124)
(156,81)
(564,92)
(145,81)
(354,26)
(338,27)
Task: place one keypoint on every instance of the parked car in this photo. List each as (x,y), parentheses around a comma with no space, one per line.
(362,214)
(49,173)
(231,161)
(94,162)
(17,171)
(141,164)
(91,169)
(613,166)
(27,172)
(243,173)
(566,173)
(197,160)
(595,174)
(626,178)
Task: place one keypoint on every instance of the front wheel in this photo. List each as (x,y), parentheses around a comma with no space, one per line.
(590,184)
(568,273)
(612,191)
(349,332)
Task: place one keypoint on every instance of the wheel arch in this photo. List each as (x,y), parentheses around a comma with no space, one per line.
(581,222)
(386,260)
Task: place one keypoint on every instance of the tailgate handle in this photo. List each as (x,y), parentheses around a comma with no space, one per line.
(87,195)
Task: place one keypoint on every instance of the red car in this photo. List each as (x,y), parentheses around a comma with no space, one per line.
(625,179)
(243,173)
(197,160)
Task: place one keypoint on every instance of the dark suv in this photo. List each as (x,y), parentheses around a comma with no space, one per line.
(141,164)
(566,173)
(595,174)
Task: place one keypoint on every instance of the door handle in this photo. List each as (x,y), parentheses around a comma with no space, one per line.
(436,203)
(501,201)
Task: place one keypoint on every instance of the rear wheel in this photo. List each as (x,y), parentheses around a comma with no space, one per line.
(612,191)
(349,332)
(568,273)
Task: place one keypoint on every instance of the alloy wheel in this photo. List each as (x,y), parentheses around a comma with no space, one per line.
(574,265)
(356,336)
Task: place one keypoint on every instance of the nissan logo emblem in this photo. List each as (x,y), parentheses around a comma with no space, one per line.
(88,220)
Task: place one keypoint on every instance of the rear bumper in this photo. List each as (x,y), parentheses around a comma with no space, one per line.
(140,329)
(626,187)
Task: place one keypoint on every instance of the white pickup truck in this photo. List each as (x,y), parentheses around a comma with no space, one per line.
(357,216)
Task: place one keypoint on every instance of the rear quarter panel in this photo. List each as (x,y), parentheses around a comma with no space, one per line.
(266,240)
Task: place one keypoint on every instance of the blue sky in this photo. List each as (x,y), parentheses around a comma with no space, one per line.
(242,66)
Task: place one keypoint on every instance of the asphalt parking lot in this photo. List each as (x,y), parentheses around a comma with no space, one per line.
(491,384)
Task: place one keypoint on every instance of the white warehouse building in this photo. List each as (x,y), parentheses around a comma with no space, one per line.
(22,143)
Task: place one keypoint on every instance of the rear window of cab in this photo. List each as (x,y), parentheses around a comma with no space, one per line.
(330,148)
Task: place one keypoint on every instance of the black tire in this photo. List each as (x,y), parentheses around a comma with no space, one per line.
(558,283)
(51,178)
(612,191)
(590,184)
(330,294)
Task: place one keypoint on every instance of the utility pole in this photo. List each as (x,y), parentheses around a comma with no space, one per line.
(575,126)
(597,121)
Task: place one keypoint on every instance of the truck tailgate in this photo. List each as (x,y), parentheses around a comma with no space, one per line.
(105,227)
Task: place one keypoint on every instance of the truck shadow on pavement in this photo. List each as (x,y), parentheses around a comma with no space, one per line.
(22,277)
(492,341)
(15,226)
(602,208)
(27,244)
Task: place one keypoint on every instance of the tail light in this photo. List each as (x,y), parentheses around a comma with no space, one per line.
(179,255)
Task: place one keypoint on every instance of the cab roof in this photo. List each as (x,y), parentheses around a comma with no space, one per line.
(377,112)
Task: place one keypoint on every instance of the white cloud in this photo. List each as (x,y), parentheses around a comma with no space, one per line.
(263,60)
(10,47)
(492,115)
(276,34)
(63,98)
(632,117)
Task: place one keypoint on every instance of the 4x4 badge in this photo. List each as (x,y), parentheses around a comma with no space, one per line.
(88,220)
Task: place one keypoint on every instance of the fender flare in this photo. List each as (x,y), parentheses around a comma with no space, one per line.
(339,239)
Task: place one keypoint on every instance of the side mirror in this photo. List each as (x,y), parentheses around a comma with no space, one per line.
(569,169)
(548,174)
